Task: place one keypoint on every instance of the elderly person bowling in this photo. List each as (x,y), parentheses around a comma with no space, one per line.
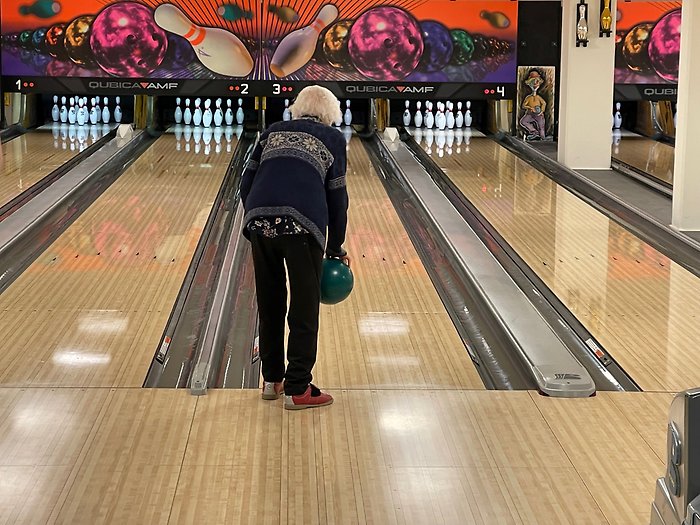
(295,199)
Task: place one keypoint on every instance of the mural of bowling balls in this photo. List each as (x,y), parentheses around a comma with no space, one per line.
(665,46)
(481,47)
(335,45)
(437,46)
(385,43)
(126,40)
(77,41)
(39,39)
(463,47)
(635,48)
(54,41)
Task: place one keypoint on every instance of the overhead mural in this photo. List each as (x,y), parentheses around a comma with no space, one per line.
(648,42)
(344,40)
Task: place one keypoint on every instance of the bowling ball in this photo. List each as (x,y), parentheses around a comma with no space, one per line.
(180,53)
(481,47)
(635,48)
(25,38)
(54,41)
(62,68)
(77,41)
(336,281)
(463,46)
(437,46)
(39,39)
(126,41)
(335,45)
(665,46)
(385,43)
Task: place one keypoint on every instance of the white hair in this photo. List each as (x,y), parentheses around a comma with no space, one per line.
(319,102)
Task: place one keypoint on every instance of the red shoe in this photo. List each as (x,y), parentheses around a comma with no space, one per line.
(272,391)
(312,398)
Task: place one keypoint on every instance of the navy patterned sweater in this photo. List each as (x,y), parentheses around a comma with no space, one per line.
(297,170)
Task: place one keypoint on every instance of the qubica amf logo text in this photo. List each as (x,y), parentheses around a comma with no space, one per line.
(115,84)
(369,88)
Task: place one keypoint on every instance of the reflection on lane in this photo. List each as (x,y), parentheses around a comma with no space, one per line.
(90,310)
(640,305)
(650,156)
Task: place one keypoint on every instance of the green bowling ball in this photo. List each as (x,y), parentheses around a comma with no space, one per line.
(336,281)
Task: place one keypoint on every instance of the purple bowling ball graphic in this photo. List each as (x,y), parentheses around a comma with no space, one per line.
(126,41)
(437,46)
(665,46)
(385,43)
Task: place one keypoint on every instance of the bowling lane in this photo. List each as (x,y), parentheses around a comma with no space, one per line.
(640,305)
(90,310)
(393,331)
(32,156)
(650,156)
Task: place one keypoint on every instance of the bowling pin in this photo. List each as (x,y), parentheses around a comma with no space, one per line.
(93,113)
(296,49)
(286,114)
(440,119)
(208,116)
(407,115)
(82,116)
(450,116)
(218,114)
(197,117)
(217,49)
(428,108)
(429,119)
(178,111)
(240,116)
(459,117)
(339,122)
(63,114)
(117,111)
(418,117)
(105,111)
(229,113)
(55,111)
(98,109)
(618,116)
(468,115)
(187,115)
(72,111)
(347,118)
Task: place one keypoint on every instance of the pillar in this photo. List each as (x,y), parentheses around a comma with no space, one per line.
(586,93)
(686,178)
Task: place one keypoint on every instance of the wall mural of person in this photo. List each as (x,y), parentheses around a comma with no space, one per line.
(534,106)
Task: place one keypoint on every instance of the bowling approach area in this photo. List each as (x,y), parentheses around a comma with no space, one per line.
(514,340)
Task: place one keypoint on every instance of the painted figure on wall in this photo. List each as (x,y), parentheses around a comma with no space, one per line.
(534,106)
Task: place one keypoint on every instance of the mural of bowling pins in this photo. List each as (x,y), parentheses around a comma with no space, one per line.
(296,49)
(217,49)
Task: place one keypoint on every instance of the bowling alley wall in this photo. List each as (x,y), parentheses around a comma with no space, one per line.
(430,41)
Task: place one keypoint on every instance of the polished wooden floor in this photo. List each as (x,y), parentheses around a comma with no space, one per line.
(640,305)
(393,331)
(91,309)
(31,157)
(140,456)
(411,438)
(650,156)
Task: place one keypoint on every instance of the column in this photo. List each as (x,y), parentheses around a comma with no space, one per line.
(686,177)
(586,94)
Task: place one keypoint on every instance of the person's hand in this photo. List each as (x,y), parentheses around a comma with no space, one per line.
(345,259)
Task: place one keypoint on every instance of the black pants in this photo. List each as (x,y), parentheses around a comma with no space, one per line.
(304,257)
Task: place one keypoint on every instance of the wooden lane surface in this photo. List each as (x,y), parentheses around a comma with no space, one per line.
(28,159)
(641,306)
(650,156)
(91,309)
(387,457)
(393,331)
